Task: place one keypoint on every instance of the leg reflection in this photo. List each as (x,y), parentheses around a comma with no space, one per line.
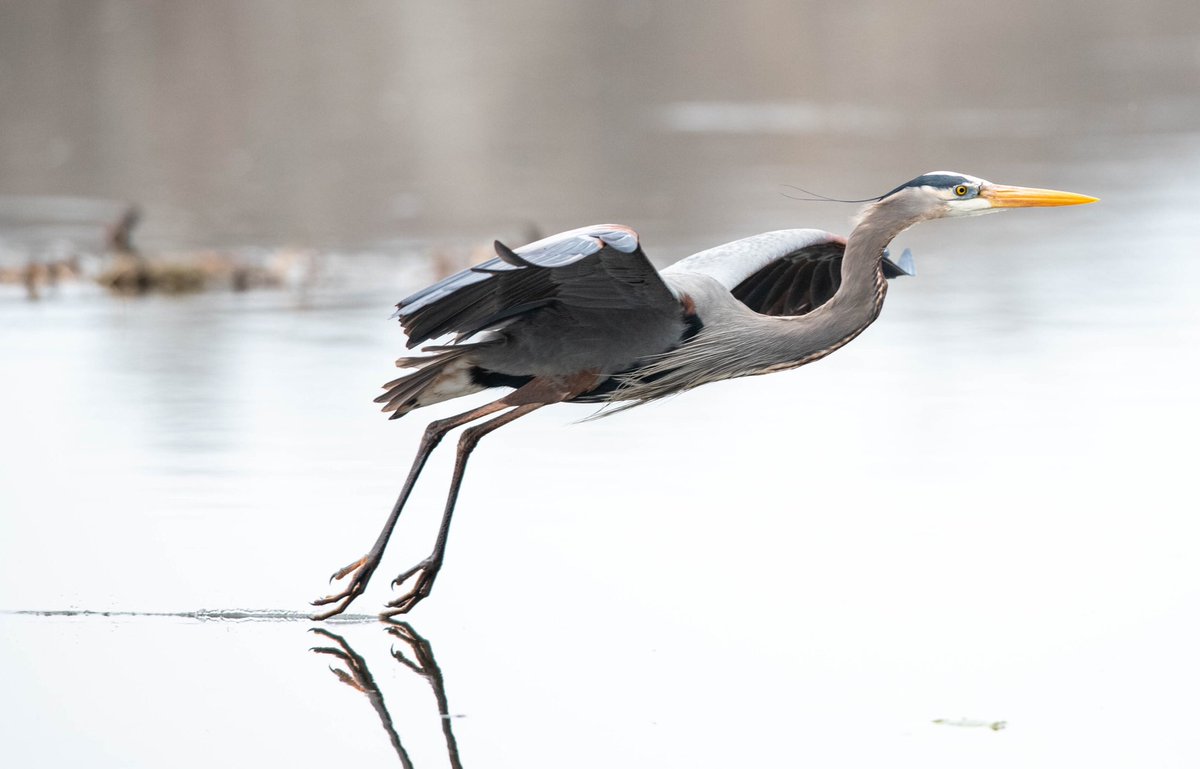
(418,658)
(424,665)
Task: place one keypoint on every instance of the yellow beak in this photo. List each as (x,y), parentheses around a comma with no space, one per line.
(1003,196)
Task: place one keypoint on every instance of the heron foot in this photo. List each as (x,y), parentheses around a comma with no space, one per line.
(362,569)
(425,572)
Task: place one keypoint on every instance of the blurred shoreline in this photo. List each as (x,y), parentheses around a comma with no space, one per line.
(53,247)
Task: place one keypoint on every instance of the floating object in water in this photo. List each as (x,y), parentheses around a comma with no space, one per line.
(995,726)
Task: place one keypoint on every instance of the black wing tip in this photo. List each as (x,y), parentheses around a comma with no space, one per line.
(904,267)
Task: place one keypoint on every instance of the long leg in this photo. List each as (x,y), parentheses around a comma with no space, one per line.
(364,567)
(426,571)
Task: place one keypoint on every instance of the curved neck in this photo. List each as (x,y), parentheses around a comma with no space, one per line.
(863,285)
(747,343)
(859,298)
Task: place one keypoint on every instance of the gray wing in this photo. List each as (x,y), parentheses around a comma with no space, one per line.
(601,267)
(805,279)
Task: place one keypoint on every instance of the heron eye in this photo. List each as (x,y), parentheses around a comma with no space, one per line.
(960,190)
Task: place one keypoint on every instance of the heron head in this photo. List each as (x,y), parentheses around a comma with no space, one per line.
(948,193)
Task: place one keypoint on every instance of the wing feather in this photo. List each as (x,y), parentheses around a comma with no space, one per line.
(592,268)
(803,279)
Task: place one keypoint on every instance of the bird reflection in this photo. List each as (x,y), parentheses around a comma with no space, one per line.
(416,654)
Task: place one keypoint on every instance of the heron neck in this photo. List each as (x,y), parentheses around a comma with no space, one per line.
(856,304)
(863,284)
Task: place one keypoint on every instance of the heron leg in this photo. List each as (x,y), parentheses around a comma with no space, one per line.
(364,567)
(426,571)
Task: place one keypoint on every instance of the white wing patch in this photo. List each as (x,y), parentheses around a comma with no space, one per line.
(731,263)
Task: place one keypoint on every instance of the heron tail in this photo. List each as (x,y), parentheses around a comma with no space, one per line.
(444,375)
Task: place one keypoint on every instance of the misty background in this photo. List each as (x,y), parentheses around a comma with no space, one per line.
(982,511)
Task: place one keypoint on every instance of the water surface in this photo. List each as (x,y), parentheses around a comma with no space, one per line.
(982,510)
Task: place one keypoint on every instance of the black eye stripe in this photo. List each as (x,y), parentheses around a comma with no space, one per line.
(944,181)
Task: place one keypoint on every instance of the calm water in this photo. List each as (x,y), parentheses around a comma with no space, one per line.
(983,509)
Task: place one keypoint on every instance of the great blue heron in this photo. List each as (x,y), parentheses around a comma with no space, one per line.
(583,316)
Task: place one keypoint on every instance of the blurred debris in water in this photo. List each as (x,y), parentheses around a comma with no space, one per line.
(48,241)
(132,273)
(995,726)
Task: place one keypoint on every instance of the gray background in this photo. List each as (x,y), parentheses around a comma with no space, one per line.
(984,508)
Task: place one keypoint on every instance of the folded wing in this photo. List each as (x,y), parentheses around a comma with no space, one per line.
(597,268)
